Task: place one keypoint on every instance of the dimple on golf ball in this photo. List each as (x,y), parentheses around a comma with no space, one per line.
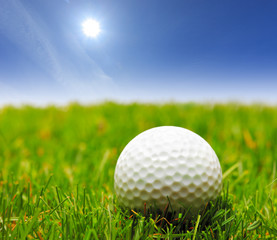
(167,165)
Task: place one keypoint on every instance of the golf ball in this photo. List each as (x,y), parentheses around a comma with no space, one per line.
(167,165)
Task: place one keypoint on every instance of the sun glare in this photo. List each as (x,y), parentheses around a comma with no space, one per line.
(91,28)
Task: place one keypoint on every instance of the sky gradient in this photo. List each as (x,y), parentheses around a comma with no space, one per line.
(150,51)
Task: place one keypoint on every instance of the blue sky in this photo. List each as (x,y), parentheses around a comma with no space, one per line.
(156,50)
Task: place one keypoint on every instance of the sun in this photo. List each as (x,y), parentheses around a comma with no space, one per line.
(91,28)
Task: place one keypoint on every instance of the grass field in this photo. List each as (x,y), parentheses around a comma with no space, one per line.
(57,167)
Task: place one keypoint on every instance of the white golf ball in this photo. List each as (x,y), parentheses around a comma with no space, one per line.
(167,163)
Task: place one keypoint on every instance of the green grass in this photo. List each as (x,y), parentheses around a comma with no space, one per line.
(57,167)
